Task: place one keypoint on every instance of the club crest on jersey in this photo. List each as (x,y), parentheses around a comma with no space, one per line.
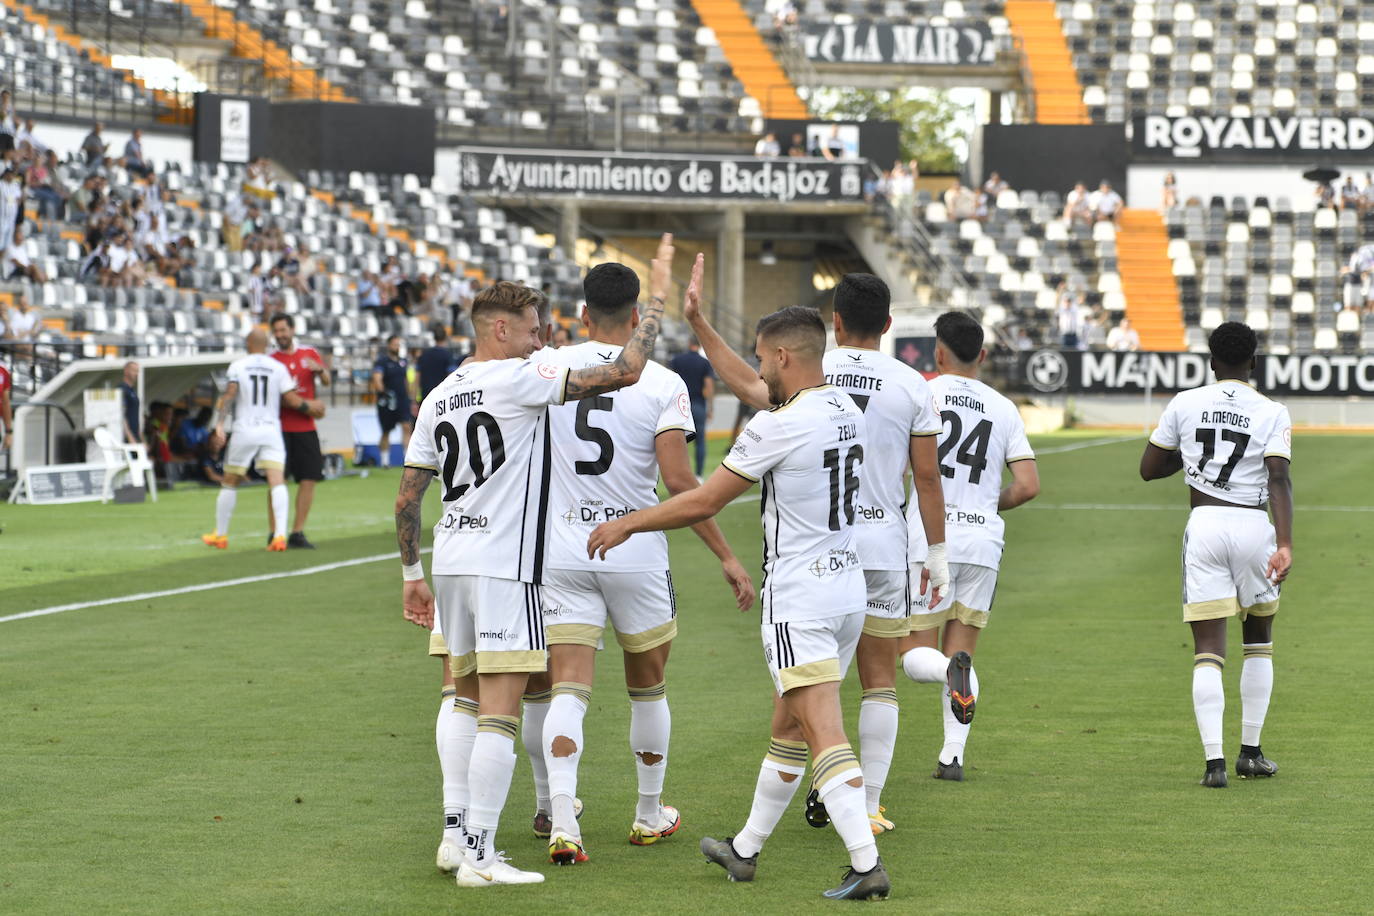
(546,370)
(857,357)
(684,404)
(605,357)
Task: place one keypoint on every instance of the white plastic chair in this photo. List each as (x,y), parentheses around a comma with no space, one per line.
(124,457)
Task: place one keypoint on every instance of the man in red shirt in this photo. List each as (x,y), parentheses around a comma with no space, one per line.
(5,414)
(304,461)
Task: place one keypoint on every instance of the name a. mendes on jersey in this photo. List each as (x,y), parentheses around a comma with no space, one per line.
(1226,418)
(458,401)
(833,563)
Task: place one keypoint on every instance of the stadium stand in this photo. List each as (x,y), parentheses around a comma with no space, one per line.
(1252,58)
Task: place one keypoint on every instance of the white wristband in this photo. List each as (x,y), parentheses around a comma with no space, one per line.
(413,572)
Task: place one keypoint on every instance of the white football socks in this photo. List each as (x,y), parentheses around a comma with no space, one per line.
(224,509)
(1209,701)
(280,506)
(925,665)
(563,749)
(1256,686)
(536,711)
(489,776)
(455,733)
(650,726)
(878,717)
(956,732)
(772,794)
(832,771)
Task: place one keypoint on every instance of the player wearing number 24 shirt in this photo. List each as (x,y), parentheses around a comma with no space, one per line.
(484,434)
(981,433)
(1234,446)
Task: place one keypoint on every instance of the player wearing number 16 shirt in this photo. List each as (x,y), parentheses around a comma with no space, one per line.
(484,434)
(981,432)
(1234,446)
(807,454)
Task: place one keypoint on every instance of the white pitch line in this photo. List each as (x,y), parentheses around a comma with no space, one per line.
(1091,443)
(203,587)
(1155,507)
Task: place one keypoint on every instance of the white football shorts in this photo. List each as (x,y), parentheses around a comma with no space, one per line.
(260,443)
(805,652)
(641,606)
(967,599)
(1225,552)
(491,626)
(888,603)
(437,646)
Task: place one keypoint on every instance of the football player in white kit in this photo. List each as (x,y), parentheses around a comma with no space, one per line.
(902,426)
(607,455)
(259,387)
(807,454)
(484,433)
(1234,446)
(981,432)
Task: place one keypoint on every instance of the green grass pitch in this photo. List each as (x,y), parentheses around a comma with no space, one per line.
(268,748)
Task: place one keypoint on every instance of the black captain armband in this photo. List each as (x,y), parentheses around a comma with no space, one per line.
(304,408)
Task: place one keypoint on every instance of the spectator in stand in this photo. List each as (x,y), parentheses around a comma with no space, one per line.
(20,326)
(123,267)
(437,362)
(288,270)
(832,149)
(27,135)
(1350,194)
(960,201)
(1169,196)
(390,384)
(786,17)
(18,264)
(797,148)
(258,181)
(1359,279)
(1069,317)
(459,295)
(47,188)
(1106,204)
(391,279)
(562,337)
(235,215)
(1367,195)
(133,160)
(262,293)
(11,201)
(767,147)
(901,187)
(700,380)
(1095,327)
(994,186)
(1077,206)
(1024,341)
(128,392)
(370,292)
(93,147)
(1326,196)
(1124,338)
(9,125)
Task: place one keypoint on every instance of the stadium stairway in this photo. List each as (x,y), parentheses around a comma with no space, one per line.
(302,82)
(754,64)
(176,112)
(1147,279)
(1058,93)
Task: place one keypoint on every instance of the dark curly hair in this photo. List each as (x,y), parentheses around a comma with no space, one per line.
(1233,344)
(863,301)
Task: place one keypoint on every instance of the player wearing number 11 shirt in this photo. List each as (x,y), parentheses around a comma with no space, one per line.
(981,432)
(1234,446)
(484,433)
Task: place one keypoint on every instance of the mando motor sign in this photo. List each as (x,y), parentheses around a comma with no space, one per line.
(1098,372)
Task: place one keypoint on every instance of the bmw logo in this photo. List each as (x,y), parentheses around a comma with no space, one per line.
(1047,371)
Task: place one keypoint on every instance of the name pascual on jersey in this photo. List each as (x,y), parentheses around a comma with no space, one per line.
(964,400)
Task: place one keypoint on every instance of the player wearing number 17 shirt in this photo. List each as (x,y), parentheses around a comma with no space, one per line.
(981,432)
(807,454)
(484,433)
(1234,446)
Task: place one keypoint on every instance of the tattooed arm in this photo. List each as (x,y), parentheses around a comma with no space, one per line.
(222,411)
(417,601)
(584,383)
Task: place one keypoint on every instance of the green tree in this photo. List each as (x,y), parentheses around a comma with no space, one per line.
(932,126)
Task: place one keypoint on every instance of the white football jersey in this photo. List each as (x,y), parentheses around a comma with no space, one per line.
(1225,432)
(808,456)
(981,432)
(262,381)
(484,432)
(604,460)
(897,404)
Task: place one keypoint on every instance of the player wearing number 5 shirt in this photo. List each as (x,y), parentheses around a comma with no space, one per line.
(981,432)
(1234,446)
(484,434)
